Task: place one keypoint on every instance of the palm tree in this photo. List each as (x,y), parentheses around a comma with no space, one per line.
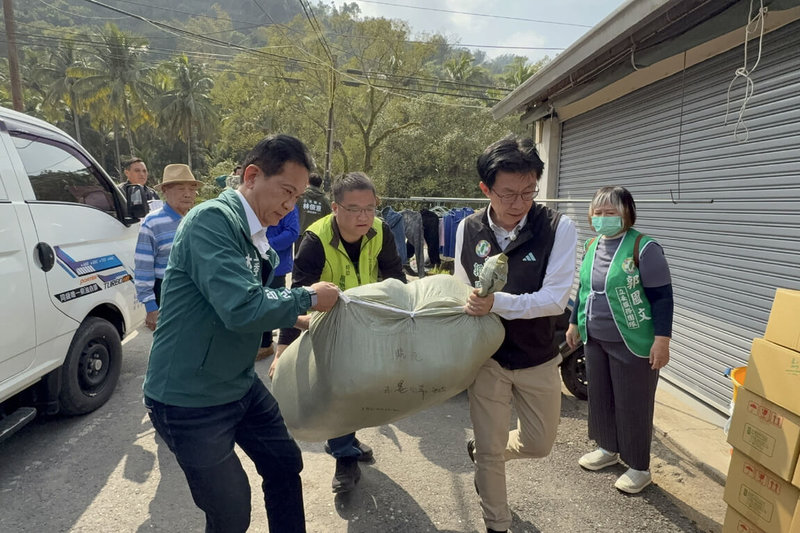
(186,108)
(60,85)
(115,73)
(519,70)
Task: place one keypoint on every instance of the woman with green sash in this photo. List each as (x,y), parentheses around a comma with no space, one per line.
(623,315)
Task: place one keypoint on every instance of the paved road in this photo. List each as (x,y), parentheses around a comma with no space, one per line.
(107,472)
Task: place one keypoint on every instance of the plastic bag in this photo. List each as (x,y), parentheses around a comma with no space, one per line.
(385,351)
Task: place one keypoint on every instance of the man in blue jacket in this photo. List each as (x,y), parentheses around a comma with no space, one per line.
(200,390)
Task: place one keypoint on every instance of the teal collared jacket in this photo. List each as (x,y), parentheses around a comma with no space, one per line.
(214,309)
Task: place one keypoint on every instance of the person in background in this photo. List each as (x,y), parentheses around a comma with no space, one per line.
(201,391)
(540,244)
(156,234)
(623,314)
(349,247)
(136,174)
(312,205)
(281,238)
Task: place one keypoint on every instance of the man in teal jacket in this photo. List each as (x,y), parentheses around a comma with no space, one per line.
(200,390)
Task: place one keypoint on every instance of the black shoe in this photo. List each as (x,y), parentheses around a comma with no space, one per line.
(490,530)
(347,475)
(366,452)
(471,449)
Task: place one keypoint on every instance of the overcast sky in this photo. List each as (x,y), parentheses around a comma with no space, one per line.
(475,30)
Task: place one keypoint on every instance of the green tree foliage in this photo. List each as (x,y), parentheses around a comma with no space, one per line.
(60,85)
(185,108)
(520,70)
(116,72)
(411,111)
(437,158)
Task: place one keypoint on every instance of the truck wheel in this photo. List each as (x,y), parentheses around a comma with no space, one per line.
(573,374)
(92,367)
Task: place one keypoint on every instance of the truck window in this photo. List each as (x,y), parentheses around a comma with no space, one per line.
(58,175)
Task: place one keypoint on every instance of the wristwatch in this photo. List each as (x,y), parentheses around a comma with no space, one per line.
(313,294)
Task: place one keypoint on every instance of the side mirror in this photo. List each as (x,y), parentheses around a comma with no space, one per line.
(137,203)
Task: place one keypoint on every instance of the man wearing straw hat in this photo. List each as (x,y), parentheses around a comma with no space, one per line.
(156,234)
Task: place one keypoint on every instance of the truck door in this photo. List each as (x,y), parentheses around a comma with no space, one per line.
(77,224)
(17,320)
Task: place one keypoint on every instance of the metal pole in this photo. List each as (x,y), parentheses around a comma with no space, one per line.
(329,142)
(13,59)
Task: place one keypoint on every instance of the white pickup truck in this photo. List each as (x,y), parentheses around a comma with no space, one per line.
(67,239)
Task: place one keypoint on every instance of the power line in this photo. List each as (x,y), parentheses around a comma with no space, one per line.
(312,19)
(442,91)
(172,29)
(72,13)
(424,78)
(475,14)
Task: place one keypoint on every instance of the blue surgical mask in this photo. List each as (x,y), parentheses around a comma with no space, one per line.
(607,226)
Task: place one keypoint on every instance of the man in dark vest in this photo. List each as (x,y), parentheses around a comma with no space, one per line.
(540,244)
(312,205)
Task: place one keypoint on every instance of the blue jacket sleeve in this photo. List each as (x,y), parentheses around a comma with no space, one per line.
(286,231)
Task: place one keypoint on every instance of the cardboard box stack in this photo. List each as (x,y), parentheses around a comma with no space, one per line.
(763,483)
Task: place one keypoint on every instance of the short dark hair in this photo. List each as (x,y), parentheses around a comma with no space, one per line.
(510,154)
(620,198)
(237,167)
(352,181)
(128,162)
(314,179)
(273,152)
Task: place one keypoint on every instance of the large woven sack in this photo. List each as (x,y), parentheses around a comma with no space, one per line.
(385,351)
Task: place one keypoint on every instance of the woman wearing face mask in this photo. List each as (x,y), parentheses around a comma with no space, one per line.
(623,314)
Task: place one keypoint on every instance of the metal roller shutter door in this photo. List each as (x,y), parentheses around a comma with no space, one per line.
(727,258)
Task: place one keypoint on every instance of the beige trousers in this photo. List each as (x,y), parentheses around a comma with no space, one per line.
(536,395)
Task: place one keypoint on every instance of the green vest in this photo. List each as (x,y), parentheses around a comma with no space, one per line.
(338,268)
(626,298)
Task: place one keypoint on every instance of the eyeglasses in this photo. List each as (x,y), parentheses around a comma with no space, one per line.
(509,199)
(368,211)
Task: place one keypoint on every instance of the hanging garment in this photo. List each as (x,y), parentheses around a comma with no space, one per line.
(430,230)
(396,224)
(416,236)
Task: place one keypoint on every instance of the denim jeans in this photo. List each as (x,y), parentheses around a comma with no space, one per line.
(202,439)
(344,446)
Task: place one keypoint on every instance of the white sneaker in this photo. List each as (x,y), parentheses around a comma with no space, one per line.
(598,459)
(633,481)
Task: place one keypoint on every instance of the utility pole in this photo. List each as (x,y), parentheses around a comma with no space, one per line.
(13,60)
(329,143)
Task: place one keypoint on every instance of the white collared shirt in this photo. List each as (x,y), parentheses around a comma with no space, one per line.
(552,297)
(503,236)
(258,233)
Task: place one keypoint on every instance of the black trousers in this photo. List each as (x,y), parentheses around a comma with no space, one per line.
(157,291)
(622,392)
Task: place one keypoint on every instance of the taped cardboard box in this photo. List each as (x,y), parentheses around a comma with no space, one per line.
(736,523)
(760,495)
(796,478)
(795,527)
(765,432)
(784,320)
(773,372)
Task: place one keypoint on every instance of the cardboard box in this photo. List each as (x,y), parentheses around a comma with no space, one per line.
(796,478)
(760,495)
(773,372)
(784,320)
(765,432)
(795,527)
(736,523)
